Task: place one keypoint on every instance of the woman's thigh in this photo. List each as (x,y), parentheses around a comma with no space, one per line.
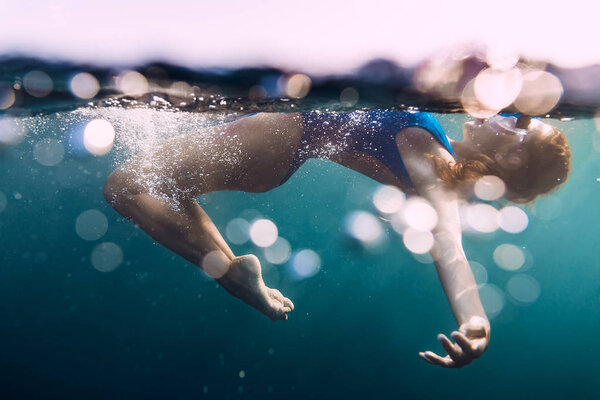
(251,154)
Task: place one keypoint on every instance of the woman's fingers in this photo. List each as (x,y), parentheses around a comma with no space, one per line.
(465,344)
(434,359)
(276,294)
(460,353)
(288,303)
(453,351)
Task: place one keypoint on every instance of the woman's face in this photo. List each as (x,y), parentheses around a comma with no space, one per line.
(493,133)
(499,137)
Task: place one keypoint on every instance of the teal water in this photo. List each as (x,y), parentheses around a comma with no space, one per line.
(157,327)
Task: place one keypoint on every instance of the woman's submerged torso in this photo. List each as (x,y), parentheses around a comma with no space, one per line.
(366,141)
(376,143)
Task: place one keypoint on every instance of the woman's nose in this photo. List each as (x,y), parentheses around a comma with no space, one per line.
(523,121)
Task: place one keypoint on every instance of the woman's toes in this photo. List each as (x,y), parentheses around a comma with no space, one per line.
(276,294)
(288,303)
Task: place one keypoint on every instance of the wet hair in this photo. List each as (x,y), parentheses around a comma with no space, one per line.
(546,167)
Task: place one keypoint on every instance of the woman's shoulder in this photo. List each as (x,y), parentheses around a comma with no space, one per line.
(416,140)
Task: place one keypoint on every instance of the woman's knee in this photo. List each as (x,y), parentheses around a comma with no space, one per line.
(119,187)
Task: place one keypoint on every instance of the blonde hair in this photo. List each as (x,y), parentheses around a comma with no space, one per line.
(546,167)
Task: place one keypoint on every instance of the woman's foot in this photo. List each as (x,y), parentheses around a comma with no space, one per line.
(244,280)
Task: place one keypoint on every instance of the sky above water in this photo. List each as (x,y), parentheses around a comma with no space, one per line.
(312,35)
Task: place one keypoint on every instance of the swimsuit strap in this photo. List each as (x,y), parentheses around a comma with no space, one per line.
(378,138)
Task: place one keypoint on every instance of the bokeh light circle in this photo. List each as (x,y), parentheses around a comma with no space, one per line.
(306,263)
(107,257)
(238,231)
(472,105)
(38,83)
(524,288)
(91,225)
(492,299)
(496,89)
(489,187)
(349,97)
(388,199)
(279,252)
(7,97)
(513,219)
(417,241)
(48,152)
(215,264)
(298,86)
(479,272)
(509,257)
(11,131)
(132,83)
(263,232)
(364,227)
(419,214)
(84,85)
(541,92)
(98,137)
(482,218)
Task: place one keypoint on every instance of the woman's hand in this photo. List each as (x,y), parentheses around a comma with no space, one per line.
(471,340)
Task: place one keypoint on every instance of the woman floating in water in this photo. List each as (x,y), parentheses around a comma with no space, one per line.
(258,153)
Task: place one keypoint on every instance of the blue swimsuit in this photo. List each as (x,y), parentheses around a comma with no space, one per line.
(371,132)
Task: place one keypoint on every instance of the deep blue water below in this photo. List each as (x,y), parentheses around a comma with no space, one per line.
(157,328)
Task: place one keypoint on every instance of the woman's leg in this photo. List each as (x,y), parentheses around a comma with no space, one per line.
(157,191)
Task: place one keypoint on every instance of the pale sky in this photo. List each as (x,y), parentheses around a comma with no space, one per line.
(316,36)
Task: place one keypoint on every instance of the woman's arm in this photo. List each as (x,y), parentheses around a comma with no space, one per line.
(458,282)
(472,338)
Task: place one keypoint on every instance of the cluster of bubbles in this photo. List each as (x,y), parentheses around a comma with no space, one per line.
(414,220)
(505,82)
(264,234)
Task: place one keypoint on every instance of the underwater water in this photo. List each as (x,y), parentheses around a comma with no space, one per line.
(94,308)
